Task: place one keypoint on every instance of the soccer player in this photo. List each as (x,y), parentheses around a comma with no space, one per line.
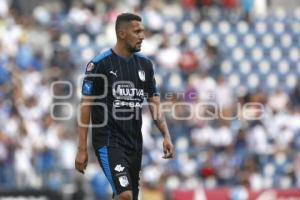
(114,87)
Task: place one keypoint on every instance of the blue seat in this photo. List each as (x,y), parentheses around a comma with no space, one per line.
(238,54)
(253,80)
(226,67)
(283,67)
(257,54)
(291,81)
(264,67)
(245,67)
(249,41)
(224,27)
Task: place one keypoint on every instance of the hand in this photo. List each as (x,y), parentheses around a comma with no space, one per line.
(168,148)
(81,160)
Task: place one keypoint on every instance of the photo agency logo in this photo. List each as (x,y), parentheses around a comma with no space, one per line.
(127,101)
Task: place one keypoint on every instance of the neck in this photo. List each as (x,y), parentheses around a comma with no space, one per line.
(121,50)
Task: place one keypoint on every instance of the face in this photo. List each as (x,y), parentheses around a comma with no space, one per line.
(134,36)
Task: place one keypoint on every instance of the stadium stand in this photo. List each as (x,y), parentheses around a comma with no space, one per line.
(231,80)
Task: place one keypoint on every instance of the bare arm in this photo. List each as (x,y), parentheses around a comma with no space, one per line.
(85,111)
(82,153)
(160,122)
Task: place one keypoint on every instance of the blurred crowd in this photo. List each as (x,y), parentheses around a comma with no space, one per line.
(227,130)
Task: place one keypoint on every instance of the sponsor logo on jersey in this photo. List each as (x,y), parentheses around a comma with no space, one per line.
(127,90)
(114,73)
(142,75)
(131,104)
(123,181)
(119,168)
(127,94)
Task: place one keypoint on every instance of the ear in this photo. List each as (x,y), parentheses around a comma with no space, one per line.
(122,33)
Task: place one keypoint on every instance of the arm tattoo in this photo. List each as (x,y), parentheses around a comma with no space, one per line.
(159,121)
(159,118)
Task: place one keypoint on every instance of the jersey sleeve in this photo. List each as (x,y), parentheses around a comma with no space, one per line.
(92,83)
(151,86)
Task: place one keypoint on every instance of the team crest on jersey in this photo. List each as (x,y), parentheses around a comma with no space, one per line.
(123,181)
(142,75)
(119,168)
(90,67)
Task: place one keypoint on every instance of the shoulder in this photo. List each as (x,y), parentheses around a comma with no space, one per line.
(94,65)
(145,62)
(101,56)
(142,57)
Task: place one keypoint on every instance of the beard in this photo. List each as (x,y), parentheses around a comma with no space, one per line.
(134,49)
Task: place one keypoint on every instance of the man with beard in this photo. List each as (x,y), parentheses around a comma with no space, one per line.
(114,88)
